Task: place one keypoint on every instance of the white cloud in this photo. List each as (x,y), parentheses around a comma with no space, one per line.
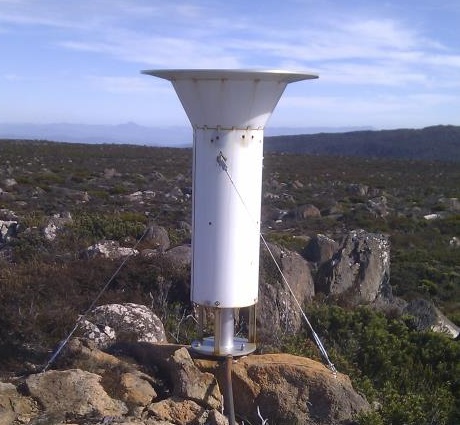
(380,73)
(12,77)
(159,51)
(360,50)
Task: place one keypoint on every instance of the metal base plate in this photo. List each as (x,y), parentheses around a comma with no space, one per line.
(241,347)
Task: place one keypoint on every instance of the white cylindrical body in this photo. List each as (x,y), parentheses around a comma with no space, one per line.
(226,217)
(228,110)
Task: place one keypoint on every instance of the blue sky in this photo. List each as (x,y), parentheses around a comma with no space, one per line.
(382,64)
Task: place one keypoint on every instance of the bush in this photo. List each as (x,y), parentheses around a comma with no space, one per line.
(414,376)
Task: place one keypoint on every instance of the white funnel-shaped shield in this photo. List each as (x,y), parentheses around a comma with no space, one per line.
(228,110)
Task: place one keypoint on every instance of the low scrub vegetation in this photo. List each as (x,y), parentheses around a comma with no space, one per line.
(114,192)
(413,376)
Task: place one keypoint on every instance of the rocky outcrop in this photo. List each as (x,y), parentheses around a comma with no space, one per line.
(378,206)
(358,189)
(279,312)
(450,204)
(108,249)
(288,389)
(157,238)
(320,249)
(74,392)
(163,384)
(9,183)
(108,324)
(55,224)
(190,383)
(359,270)
(14,407)
(425,316)
(307,211)
(179,256)
(454,242)
(8,230)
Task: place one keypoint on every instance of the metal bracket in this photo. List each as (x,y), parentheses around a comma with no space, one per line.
(222,161)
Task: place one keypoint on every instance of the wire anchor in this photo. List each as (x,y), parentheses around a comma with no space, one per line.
(222,161)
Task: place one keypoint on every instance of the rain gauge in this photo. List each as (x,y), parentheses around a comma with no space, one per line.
(228,110)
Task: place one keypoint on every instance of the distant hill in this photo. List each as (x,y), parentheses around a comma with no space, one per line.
(440,142)
(127,133)
(130,133)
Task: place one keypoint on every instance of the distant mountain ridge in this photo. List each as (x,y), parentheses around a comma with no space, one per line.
(129,133)
(441,142)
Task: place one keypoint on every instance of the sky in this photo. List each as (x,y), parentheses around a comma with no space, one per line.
(381,64)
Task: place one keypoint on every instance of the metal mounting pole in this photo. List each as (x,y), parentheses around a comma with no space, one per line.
(229,403)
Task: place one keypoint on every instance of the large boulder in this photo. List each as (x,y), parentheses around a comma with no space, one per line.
(13,405)
(108,249)
(190,383)
(320,249)
(279,311)
(179,256)
(74,392)
(359,271)
(307,211)
(289,390)
(286,389)
(378,206)
(125,381)
(111,323)
(184,412)
(157,237)
(425,316)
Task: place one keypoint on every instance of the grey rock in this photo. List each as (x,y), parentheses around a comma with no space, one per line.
(279,311)
(273,214)
(427,317)
(358,189)
(110,173)
(454,242)
(156,175)
(112,323)
(360,269)
(378,206)
(157,238)
(6,214)
(108,249)
(450,204)
(320,249)
(190,383)
(180,256)
(8,230)
(9,183)
(55,224)
(303,212)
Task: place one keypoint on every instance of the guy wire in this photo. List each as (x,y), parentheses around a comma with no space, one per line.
(221,160)
(83,316)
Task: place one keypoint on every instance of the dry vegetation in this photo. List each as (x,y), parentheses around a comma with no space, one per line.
(114,191)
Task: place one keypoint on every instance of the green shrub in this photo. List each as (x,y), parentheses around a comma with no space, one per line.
(415,376)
